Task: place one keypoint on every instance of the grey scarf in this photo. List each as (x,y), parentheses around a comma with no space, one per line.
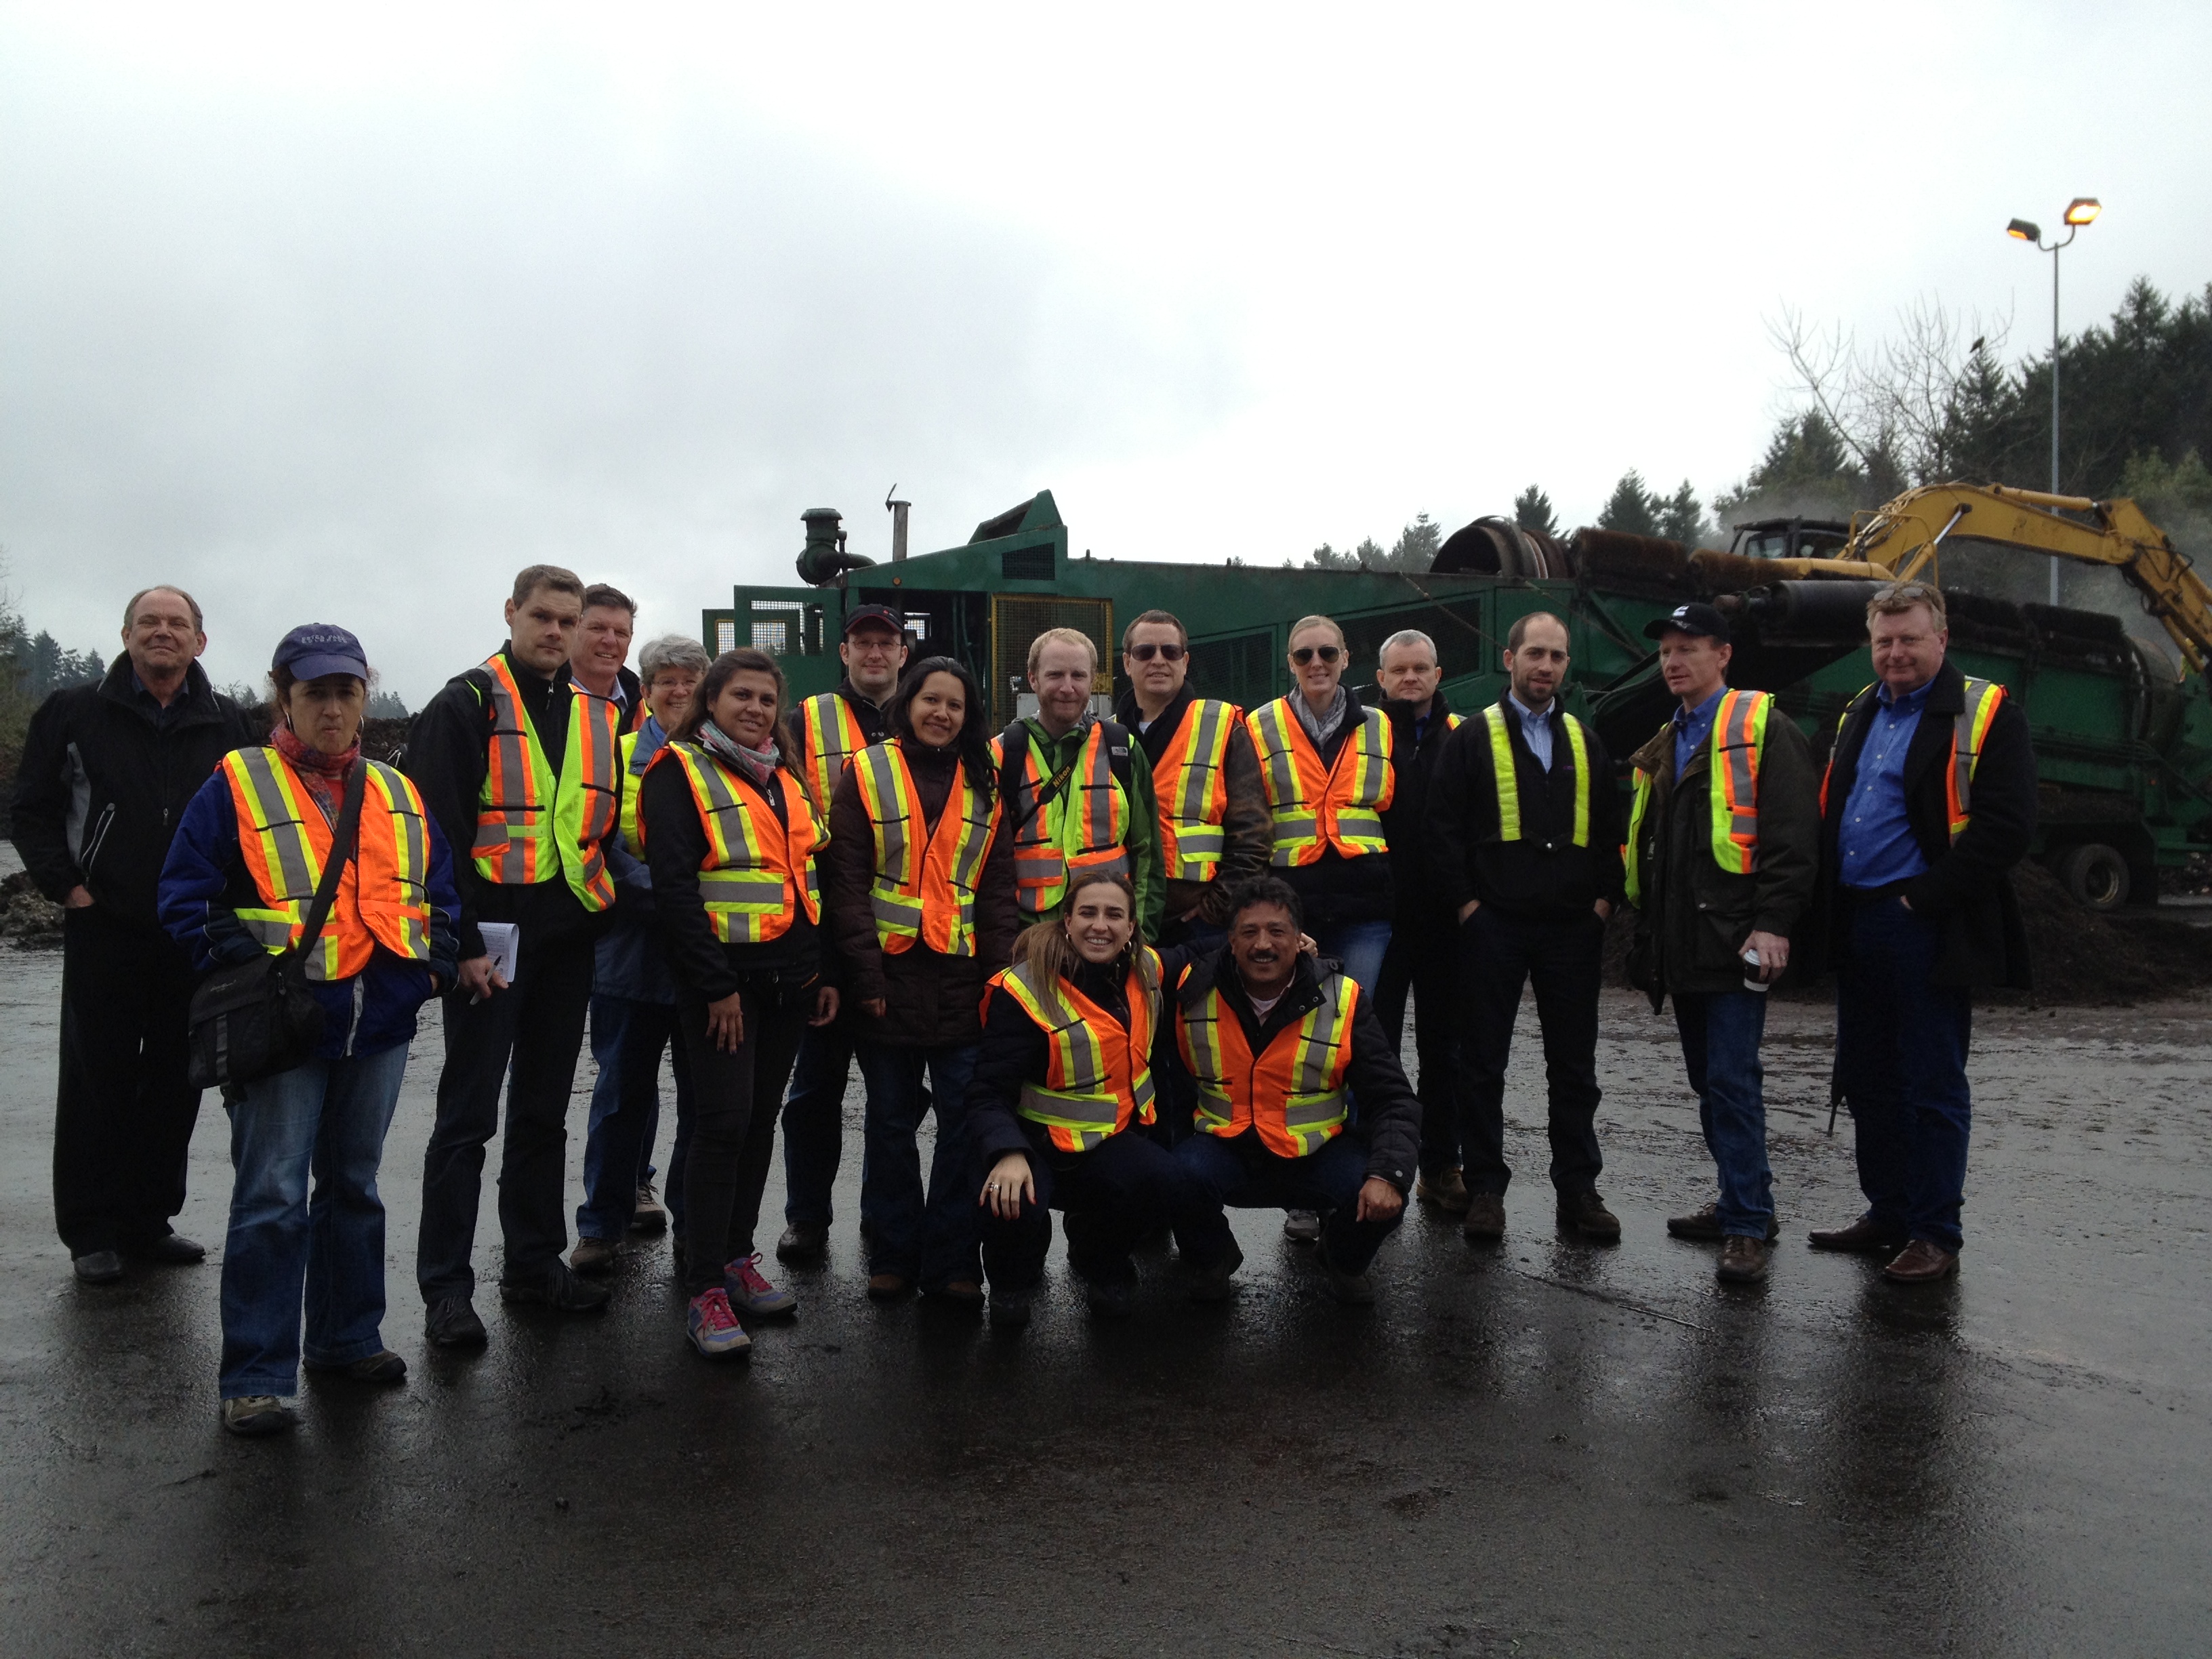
(758,765)
(1318,727)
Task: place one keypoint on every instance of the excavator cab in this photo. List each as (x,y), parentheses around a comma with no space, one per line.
(1790,538)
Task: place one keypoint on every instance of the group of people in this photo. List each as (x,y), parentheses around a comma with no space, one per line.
(1141,969)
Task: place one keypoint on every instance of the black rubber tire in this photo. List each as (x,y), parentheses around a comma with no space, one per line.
(2095,875)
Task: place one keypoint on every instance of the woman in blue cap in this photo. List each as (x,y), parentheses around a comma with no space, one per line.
(241,879)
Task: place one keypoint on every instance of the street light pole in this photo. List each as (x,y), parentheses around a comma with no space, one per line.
(2079,212)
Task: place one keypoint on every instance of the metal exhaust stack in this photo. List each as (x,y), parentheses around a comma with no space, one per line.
(899,512)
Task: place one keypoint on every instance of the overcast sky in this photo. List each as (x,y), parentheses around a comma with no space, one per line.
(345,321)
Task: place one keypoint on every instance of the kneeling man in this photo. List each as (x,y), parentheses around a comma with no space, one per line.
(1278,1044)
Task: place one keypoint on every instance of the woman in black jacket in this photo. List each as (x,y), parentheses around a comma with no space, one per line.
(920,879)
(732,834)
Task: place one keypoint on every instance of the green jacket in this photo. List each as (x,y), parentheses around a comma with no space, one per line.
(1147,873)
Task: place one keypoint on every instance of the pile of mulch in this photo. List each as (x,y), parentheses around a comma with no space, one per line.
(28,918)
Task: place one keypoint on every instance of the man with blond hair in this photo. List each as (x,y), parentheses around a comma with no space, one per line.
(1073,801)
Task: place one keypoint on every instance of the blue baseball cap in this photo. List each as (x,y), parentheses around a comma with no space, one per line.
(314,649)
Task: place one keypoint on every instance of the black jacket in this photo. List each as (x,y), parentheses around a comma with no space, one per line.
(676,846)
(1390,1114)
(448,755)
(1966,889)
(105,776)
(1407,822)
(1543,876)
(1694,916)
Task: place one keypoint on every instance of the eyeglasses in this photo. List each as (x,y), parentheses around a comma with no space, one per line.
(1306,653)
(1146,653)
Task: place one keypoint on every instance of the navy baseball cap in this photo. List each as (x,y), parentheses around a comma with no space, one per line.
(1693,618)
(883,615)
(315,649)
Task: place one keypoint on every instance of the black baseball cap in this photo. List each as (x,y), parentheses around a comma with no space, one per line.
(315,649)
(874,613)
(1691,619)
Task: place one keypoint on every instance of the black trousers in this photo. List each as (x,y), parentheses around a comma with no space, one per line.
(1565,961)
(1427,964)
(124,1114)
(1111,1196)
(526,1037)
(735,1092)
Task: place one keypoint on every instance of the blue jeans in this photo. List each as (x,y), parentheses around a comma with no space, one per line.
(814,1124)
(932,1240)
(1901,1048)
(1240,1172)
(1359,945)
(328,1118)
(1721,1036)
(628,1038)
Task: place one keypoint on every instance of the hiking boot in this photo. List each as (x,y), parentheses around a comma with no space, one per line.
(1586,1213)
(97,1267)
(802,1241)
(1009,1308)
(1703,1226)
(593,1255)
(1110,1298)
(1302,1226)
(453,1324)
(1214,1284)
(888,1287)
(712,1327)
(1743,1260)
(958,1293)
(750,1292)
(1485,1217)
(648,1217)
(385,1367)
(1446,1189)
(1921,1263)
(1353,1290)
(256,1414)
(555,1288)
(1865,1237)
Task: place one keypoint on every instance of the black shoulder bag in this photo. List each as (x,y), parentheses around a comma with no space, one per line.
(259,1018)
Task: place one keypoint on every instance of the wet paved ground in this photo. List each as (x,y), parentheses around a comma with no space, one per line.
(1543,1449)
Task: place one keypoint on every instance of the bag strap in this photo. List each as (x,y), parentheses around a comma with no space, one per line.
(343,840)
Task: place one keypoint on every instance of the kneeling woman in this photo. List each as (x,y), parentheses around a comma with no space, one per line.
(241,879)
(1063,1079)
(731,833)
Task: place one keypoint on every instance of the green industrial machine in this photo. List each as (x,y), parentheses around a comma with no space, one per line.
(2123,736)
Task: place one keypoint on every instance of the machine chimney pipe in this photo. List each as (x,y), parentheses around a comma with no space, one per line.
(899,512)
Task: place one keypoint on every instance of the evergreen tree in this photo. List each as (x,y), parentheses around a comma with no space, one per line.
(1532,510)
(1682,518)
(1415,549)
(1632,508)
(386,705)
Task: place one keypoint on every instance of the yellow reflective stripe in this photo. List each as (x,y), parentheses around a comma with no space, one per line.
(1631,854)
(1580,749)
(1508,775)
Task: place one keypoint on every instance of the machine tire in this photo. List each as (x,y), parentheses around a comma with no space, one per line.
(2095,875)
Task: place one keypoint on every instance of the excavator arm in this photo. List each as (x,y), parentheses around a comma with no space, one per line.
(1903,539)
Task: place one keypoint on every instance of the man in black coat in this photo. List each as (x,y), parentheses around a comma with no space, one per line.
(1929,802)
(106,774)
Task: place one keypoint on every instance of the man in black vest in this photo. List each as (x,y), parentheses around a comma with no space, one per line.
(106,774)
(1526,858)
(1929,802)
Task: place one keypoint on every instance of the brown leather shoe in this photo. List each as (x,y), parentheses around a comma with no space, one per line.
(1921,1263)
(888,1287)
(960,1292)
(1446,1189)
(1865,1237)
(1703,1226)
(592,1255)
(1485,1218)
(1586,1213)
(1743,1260)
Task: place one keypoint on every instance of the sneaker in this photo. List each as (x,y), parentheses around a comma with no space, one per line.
(593,1255)
(1703,1226)
(1302,1226)
(256,1414)
(1446,1189)
(1215,1283)
(712,1327)
(648,1217)
(555,1288)
(1010,1310)
(802,1241)
(453,1324)
(749,1292)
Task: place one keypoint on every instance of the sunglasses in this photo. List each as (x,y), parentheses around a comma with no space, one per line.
(1905,590)
(1146,653)
(1306,653)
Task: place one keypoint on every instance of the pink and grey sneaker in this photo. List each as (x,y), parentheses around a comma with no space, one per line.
(712,1327)
(752,1293)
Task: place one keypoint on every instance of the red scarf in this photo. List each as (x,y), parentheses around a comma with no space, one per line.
(323,775)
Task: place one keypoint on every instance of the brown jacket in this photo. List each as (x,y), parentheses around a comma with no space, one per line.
(1694,916)
(931,1001)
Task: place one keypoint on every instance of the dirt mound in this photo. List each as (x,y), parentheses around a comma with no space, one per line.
(28,918)
(2129,955)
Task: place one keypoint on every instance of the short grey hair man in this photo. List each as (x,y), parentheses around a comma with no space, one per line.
(1406,637)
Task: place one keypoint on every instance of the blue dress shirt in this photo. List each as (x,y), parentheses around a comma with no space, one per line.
(1536,729)
(1875,840)
(1691,727)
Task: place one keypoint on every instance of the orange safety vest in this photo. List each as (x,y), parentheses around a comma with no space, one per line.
(925,877)
(1082,828)
(1098,1073)
(1192,782)
(830,735)
(759,870)
(534,826)
(1736,746)
(1293,1091)
(1970,730)
(381,899)
(1315,808)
